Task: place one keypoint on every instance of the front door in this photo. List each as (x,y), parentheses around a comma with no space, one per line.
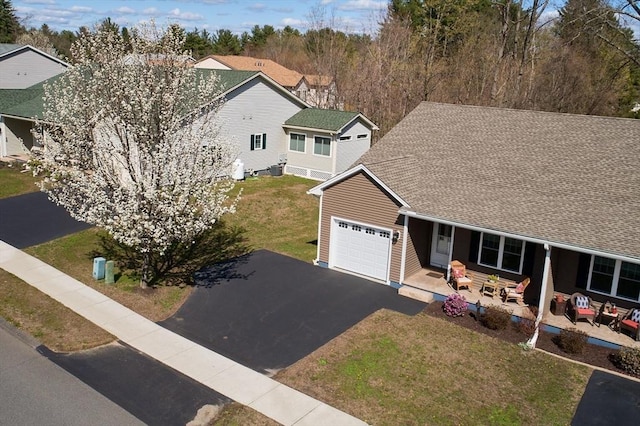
(441,245)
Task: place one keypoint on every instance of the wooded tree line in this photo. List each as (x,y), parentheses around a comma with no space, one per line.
(504,53)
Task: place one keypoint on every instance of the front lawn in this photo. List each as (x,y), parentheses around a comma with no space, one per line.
(394,369)
(13,181)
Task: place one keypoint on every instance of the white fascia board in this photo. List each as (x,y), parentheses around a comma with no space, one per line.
(310,129)
(535,240)
(318,189)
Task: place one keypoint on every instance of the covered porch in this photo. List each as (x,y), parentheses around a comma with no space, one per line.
(434,281)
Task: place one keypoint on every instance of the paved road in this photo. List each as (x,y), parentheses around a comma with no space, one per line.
(31,219)
(153,392)
(267,311)
(35,391)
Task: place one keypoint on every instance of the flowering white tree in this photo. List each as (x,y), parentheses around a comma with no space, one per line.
(132,143)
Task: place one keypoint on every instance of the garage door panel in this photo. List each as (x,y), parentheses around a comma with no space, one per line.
(361,249)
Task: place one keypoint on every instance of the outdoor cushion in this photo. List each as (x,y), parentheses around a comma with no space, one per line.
(635,316)
(630,323)
(582,302)
(584,311)
(458,273)
(519,288)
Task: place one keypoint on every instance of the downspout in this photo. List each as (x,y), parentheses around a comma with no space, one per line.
(319,229)
(531,343)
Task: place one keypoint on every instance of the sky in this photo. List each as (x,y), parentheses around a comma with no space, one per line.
(356,16)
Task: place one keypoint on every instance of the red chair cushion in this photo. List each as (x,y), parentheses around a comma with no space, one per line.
(582,311)
(630,324)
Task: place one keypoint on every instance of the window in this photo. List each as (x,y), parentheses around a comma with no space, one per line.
(501,252)
(322,146)
(363,136)
(345,138)
(258,141)
(614,277)
(296,142)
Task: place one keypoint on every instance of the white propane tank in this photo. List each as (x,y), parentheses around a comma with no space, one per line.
(238,170)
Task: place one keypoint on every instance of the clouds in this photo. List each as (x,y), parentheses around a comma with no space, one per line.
(235,15)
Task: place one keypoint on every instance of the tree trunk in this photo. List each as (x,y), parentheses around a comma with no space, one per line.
(145,279)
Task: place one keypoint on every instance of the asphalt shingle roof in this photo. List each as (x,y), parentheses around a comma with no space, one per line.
(282,75)
(28,102)
(563,178)
(325,119)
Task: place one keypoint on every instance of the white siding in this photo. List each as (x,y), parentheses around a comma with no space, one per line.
(308,160)
(26,68)
(349,151)
(257,108)
(19,139)
(211,64)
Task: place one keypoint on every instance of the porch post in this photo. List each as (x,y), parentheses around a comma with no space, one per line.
(405,233)
(543,295)
(453,235)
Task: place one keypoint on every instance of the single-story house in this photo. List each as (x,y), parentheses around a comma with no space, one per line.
(317,144)
(550,196)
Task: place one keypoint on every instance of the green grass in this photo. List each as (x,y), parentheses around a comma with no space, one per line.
(394,369)
(13,182)
(278,215)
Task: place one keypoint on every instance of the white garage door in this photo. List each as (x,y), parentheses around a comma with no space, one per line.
(361,249)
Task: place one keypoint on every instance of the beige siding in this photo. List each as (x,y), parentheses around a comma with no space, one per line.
(360,199)
(417,245)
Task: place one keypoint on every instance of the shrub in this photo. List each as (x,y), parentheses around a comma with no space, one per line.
(527,324)
(455,305)
(495,317)
(571,340)
(628,360)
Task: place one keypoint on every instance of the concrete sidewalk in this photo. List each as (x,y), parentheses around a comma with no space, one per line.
(275,400)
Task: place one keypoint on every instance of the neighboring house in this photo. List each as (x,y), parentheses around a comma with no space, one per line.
(253,115)
(23,66)
(319,91)
(315,90)
(323,143)
(551,196)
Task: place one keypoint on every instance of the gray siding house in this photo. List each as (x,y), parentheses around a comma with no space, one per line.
(23,66)
(254,115)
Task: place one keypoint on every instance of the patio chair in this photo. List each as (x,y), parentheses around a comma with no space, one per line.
(460,277)
(515,292)
(630,322)
(581,307)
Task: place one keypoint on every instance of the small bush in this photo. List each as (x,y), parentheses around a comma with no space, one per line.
(628,360)
(527,324)
(571,340)
(455,305)
(495,317)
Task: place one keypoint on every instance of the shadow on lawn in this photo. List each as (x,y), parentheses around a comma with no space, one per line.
(207,258)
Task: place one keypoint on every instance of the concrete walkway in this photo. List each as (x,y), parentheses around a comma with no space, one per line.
(275,400)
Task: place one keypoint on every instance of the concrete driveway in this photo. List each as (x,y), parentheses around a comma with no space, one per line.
(267,311)
(30,219)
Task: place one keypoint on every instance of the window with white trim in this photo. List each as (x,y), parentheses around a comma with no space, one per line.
(297,142)
(322,146)
(614,277)
(501,252)
(258,141)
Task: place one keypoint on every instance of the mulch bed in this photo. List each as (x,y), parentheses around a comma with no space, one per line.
(595,355)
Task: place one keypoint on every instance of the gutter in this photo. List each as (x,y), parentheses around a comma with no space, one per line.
(555,244)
